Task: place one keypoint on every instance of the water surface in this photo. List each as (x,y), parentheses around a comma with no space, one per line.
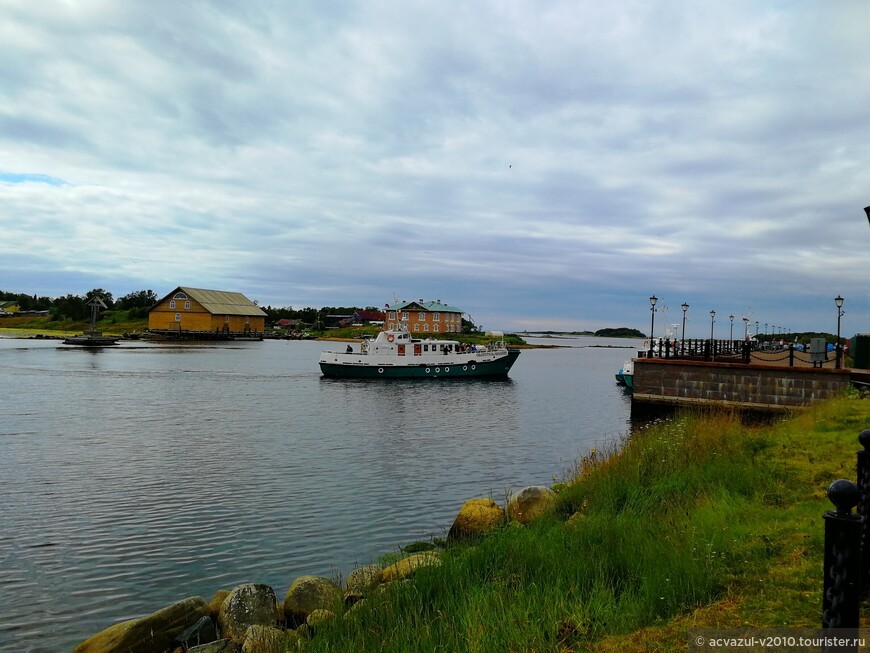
(132,477)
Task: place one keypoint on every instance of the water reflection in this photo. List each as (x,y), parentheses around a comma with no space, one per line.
(134,476)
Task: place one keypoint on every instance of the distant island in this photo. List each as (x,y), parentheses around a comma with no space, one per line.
(619,332)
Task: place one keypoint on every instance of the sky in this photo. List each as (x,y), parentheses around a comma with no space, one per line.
(544,165)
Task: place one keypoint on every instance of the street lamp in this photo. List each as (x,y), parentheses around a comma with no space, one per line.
(712,322)
(756,329)
(838,300)
(745,329)
(652,322)
(685,308)
(731,333)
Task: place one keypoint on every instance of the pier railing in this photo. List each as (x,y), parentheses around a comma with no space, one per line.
(847,545)
(738,351)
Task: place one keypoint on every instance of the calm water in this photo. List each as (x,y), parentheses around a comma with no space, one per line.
(135,476)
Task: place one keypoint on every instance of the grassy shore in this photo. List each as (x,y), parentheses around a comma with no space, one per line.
(699,522)
(114,323)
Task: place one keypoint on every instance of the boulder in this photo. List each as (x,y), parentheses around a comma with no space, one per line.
(407,566)
(262,639)
(214,605)
(318,618)
(364,579)
(251,604)
(475,518)
(156,632)
(220,646)
(310,593)
(202,632)
(531,503)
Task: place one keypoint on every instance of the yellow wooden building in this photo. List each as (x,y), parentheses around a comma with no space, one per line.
(198,310)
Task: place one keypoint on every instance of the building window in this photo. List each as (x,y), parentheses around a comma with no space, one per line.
(425,327)
(435,328)
(247,319)
(227,319)
(172,305)
(187,306)
(179,295)
(421,316)
(178,317)
(391,315)
(416,327)
(436,317)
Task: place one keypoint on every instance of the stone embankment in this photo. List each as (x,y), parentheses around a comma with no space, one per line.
(249,618)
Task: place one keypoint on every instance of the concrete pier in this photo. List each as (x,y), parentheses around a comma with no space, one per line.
(753,386)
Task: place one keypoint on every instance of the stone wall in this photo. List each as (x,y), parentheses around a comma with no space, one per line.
(764,387)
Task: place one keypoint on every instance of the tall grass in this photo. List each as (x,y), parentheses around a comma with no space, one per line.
(683,515)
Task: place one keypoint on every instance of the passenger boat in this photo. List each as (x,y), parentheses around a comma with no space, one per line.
(625,375)
(394,354)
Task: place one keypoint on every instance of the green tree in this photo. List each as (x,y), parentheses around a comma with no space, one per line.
(139,299)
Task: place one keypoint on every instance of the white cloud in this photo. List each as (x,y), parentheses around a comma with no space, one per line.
(556,162)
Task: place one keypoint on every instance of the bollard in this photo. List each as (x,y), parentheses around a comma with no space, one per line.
(840,600)
(863,469)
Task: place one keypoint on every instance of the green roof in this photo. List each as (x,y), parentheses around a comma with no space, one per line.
(426,306)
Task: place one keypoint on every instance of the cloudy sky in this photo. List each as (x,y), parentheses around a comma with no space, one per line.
(542,165)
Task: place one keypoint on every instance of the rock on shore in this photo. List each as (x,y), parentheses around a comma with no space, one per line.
(248,618)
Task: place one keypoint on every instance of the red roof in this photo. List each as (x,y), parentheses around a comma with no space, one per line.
(371,316)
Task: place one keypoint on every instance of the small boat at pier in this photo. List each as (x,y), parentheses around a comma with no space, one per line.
(394,354)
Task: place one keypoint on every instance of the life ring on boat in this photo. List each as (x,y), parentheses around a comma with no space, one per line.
(391,337)
(646,344)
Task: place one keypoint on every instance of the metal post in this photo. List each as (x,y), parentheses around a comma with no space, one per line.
(652,323)
(712,322)
(840,601)
(863,477)
(790,355)
(838,300)
(685,308)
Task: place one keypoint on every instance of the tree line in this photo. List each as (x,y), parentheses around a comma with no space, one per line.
(75,307)
(138,303)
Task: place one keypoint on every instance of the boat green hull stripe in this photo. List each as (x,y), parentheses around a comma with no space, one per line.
(500,367)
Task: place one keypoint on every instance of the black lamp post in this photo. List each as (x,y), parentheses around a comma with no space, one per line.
(731,332)
(745,329)
(756,329)
(838,300)
(652,323)
(685,308)
(712,322)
